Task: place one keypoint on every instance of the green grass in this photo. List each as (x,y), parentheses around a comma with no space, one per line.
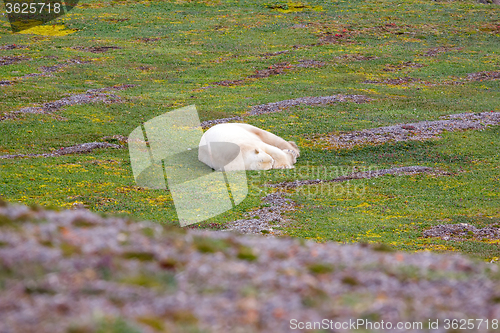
(208,41)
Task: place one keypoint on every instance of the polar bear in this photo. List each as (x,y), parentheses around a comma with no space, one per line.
(258,149)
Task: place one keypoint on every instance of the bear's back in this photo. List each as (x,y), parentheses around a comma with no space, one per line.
(231,133)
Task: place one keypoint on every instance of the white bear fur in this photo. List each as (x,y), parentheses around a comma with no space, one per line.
(259,149)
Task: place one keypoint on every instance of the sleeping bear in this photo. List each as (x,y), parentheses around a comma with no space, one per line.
(258,149)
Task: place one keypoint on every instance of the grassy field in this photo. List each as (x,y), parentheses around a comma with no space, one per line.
(171,51)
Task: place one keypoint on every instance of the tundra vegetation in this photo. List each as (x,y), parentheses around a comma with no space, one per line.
(98,72)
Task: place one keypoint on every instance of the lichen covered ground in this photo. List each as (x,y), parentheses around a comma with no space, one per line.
(75,271)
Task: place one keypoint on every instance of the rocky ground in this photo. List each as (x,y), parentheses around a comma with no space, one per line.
(410,170)
(281,105)
(73,271)
(463,231)
(209,123)
(420,131)
(76,149)
(264,220)
(90,96)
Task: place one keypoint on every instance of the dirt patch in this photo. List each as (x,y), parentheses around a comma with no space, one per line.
(463,231)
(220,60)
(77,149)
(423,130)
(432,52)
(47,70)
(493,27)
(56,67)
(489,2)
(263,220)
(96,49)
(51,69)
(146,68)
(392,28)
(112,88)
(279,106)
(209,123)
(308,63)
(115,20)
(9,60)
(149,39)
(407,64)
(483,76)
(90,96)
(78,60)
(34,75)
(298,26)
(411,170)
(48,108)
(51,57)
(274,54)
(115,138)
(397,81)
(5,83)
(12,47)
(272,70)
(479,76)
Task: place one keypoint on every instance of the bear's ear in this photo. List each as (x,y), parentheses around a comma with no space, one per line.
(257,150)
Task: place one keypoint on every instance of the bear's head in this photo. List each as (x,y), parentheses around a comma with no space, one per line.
(259,160)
